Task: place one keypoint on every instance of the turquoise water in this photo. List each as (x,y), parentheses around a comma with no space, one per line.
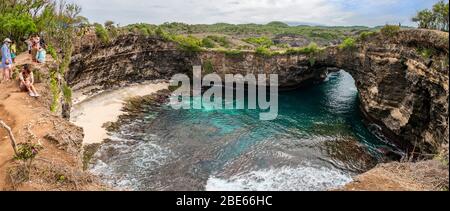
(318,142)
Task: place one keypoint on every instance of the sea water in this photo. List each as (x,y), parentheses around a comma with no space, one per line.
(318,142)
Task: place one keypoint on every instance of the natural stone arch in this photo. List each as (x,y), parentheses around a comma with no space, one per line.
(400,90)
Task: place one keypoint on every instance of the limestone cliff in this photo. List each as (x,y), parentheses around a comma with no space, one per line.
(402,78)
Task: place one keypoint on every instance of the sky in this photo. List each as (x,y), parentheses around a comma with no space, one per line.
(321,12)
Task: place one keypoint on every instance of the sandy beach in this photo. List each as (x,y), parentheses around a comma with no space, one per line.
(93,112)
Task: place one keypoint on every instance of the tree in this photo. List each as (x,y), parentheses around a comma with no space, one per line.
(437,18)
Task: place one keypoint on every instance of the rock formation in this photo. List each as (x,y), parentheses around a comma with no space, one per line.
(402,79)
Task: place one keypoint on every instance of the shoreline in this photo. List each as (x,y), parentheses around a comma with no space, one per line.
(92,112)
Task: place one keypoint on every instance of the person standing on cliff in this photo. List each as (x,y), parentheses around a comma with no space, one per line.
(6,59)
(35,47)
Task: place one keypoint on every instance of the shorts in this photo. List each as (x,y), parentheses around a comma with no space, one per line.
(13,55)
(6,66)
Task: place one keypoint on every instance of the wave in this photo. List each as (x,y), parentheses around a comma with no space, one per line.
(304,178)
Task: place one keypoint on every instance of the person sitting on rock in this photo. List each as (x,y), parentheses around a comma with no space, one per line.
(27,81)
(41,54)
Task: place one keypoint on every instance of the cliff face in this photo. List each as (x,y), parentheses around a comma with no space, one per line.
(402,79)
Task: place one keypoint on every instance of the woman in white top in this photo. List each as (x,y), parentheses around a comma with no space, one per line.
(27,81)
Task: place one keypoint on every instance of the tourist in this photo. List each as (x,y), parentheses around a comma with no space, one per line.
(35,47)
(7,62)
(13,51)
(41,54)
(29,45)
(27,81)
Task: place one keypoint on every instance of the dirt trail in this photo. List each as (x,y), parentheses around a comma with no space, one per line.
(31,119)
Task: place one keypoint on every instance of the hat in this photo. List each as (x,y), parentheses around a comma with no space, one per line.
(7,40)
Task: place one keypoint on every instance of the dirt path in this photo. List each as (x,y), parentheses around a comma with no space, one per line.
(30,119)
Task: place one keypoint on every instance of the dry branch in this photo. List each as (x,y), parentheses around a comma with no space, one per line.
(11,135)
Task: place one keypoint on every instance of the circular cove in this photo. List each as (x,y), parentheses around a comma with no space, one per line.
(318,142)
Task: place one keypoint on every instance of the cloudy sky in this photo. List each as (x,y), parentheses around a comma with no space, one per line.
(324,12)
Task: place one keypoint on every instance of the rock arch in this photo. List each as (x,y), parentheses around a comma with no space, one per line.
(400,89)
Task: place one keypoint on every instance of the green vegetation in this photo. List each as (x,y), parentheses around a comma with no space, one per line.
(312,61)
(208,43)
(364,36)
(208,67)
(390,30)
(436,18)
(27,151)
(426,53)
(38,77)
(55,91)
(221,40)
(52,51)
(16,26)
(259,41)
(348,44)
(312,48)
(101,33)
(189,43)
(256,34)
(231,52)
(264,51)
(67,93)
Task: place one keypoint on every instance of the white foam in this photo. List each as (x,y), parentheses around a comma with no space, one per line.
(123,171)
(282,179)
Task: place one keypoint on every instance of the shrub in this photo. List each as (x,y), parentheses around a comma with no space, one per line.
(101,33)
(312,48)
(364,36)
(426,53)
(348,43)
(163,34)
(259,41)
(263,51)
(189,43)
(27,151)
(54,88)
(208,43)
(221,40)
(208,67)
(67,93)
(52,51)
(390,30)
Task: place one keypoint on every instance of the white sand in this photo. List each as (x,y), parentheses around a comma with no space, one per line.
(93,112)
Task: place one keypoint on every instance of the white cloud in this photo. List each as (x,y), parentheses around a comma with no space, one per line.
(328,12)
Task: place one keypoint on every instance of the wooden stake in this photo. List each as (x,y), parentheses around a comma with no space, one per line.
(11,135)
